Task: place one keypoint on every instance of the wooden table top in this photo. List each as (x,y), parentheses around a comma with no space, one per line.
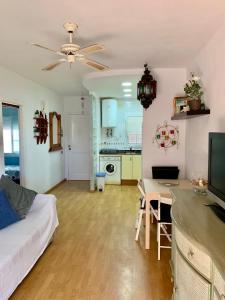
(163,186)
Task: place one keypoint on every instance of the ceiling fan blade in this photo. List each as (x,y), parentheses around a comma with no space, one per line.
(92,49)
(46,48)
(94,64)
(52,66)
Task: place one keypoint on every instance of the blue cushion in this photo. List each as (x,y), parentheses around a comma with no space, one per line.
(7,213)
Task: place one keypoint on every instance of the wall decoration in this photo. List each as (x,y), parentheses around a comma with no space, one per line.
(40,128)
(180,104)
(55,131)
(166,136)
(146,88)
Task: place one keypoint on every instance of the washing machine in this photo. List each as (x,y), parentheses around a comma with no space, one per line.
(111,165)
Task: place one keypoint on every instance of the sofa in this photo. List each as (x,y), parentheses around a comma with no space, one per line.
(22,243)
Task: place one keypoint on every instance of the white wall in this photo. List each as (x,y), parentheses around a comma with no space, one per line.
(170,83)
(42,170)
(119,140)
(210,64)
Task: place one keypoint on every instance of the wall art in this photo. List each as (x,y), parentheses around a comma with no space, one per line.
(166,136)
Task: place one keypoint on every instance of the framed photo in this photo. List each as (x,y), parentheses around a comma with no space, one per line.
(179,103)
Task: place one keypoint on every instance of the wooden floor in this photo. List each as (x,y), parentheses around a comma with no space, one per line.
(94,255)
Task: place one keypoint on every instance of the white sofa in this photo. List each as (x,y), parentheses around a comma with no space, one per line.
(22,243)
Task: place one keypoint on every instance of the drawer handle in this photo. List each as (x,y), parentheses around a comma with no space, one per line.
(175,288)
(222,297)
(190,253)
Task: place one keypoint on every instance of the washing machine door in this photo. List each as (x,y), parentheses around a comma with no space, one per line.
(110,168)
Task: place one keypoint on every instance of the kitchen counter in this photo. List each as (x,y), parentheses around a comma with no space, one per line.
(119,152)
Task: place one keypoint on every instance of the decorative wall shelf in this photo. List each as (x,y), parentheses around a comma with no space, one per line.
(190,114)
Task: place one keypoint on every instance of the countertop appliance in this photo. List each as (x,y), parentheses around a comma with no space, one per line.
(111,165)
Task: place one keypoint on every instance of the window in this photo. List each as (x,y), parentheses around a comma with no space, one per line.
(10,135)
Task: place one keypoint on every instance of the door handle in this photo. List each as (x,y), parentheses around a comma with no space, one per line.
(69,147)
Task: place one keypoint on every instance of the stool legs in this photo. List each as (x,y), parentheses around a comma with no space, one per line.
(158,238)
(139,224)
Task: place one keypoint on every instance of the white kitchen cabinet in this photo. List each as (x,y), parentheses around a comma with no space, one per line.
(216,296)
(136,167)
(127,166)
(198,243)
(109,113)
(131,167)
(189,283)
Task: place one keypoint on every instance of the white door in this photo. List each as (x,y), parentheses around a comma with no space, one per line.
(78,147)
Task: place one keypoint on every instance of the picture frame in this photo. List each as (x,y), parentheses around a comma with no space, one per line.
(55,131)
(179,103)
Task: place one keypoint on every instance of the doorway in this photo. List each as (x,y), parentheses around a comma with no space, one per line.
(11,141)
(78,147)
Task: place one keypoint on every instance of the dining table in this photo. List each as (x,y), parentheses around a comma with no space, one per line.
(157,189)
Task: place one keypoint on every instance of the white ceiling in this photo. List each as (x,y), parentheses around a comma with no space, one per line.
(109,84)
(163,33)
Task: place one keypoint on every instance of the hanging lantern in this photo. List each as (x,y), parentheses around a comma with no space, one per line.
(146,88)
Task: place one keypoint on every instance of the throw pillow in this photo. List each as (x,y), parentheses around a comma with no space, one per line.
(8,215)
(19,197)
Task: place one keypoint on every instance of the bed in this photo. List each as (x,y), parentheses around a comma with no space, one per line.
(22,243)
(13,172)
(12,167)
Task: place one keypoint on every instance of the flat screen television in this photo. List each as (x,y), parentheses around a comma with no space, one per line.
(216,167)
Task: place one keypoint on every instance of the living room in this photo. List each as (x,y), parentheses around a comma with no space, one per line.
(175,39)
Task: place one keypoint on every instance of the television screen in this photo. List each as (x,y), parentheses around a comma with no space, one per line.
(216,169)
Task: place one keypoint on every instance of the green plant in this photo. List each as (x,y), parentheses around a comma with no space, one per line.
(192,88)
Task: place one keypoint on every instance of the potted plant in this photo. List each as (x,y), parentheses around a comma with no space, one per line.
(193,90)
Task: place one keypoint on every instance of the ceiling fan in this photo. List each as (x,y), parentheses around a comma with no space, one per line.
(72,52)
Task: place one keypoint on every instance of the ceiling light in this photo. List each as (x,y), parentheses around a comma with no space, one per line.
(127,90)
(126,84)
(127,95)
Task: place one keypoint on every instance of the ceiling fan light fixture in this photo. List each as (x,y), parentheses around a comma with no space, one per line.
(72,52)
(70,27)
(79,57)
(70,58)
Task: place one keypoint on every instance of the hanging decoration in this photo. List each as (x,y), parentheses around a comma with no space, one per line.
(40,127)
(166,136)
(146,88)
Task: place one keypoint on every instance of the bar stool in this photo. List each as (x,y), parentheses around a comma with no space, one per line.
(141,210)
(164,221)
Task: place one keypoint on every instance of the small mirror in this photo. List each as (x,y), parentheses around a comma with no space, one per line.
(55,131)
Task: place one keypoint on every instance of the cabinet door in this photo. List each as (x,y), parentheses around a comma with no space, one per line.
(219,283)
(188,283)
(126,166)
(216,296)
(136,167)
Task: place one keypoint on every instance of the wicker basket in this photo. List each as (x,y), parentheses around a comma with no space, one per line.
(194,104)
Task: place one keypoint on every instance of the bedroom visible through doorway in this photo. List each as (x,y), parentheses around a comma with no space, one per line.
(11,141)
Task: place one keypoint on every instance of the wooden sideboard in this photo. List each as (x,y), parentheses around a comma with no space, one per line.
(198,248)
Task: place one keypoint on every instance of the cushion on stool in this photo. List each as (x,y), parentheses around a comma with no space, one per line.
(165,216)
